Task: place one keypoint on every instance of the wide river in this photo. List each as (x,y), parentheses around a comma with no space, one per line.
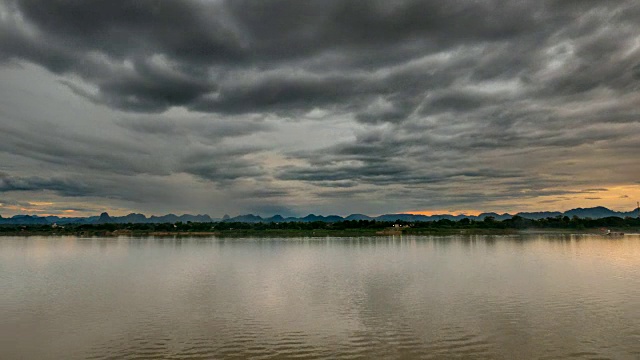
(473,297)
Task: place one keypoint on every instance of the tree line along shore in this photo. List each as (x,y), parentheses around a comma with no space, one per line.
(487,226)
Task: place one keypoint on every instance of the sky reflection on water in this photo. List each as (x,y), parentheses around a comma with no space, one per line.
(534,296)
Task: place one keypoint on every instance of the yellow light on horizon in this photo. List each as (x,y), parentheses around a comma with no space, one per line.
(441,212)
(617,198)
(40,203)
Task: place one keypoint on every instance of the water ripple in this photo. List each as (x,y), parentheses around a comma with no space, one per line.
(422,297)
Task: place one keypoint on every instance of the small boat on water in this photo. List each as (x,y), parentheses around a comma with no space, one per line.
(607,232)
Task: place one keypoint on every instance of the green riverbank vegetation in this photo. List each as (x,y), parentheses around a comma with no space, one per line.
(489,225)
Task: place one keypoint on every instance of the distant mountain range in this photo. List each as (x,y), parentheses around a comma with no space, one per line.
(104,218)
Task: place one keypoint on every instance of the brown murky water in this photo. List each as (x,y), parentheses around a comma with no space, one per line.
(518,297)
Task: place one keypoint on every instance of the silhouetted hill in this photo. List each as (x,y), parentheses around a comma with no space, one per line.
(195,218)
(275,219)
(595,213)
(169,218)
(496,216)
(104,218)
(71,220)
(313,218)
(448,217)
(249,218)
(358,217)
(131,218)
(539,214)
(402,217)
(25,220)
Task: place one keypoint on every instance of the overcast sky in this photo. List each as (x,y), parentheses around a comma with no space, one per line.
(326,107)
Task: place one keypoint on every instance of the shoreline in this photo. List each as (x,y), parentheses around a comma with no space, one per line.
(322,233)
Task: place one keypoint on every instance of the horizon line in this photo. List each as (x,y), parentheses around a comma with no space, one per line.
(428,213)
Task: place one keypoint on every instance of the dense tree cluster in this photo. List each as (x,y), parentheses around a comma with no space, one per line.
(517,223)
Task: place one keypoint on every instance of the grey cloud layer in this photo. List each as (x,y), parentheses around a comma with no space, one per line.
(246,56)
(524,96)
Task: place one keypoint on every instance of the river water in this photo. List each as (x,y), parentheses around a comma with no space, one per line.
(473,297)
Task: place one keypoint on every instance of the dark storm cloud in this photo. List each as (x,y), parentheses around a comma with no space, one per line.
(142,150)
(383,171)
(370,59)
(205,129)
(344,194)
(245,56)
(75,185)
(29,139)
(220,165)
(122,29)
(336,184)
(277,93)
(266,193)
(430,165)
(459,102)
(521,96)
(63,186)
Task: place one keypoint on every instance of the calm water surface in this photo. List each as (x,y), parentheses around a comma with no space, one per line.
(518,297)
